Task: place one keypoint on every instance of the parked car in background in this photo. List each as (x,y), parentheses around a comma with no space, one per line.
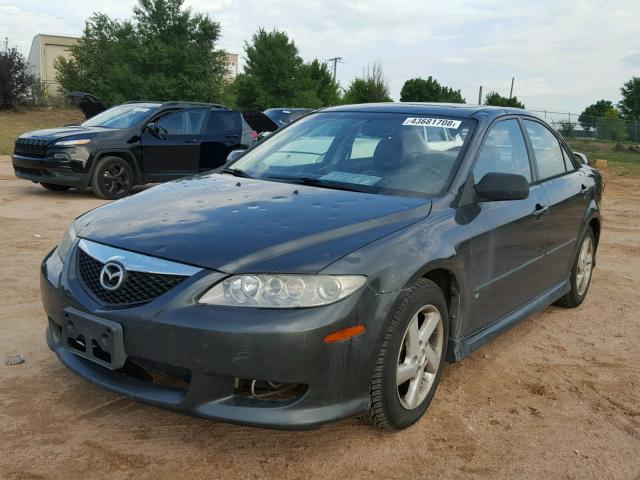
(330,270)
(134,143)
(284,116)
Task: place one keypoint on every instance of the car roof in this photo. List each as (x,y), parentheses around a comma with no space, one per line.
(178,103)
(446,109)
(292,109)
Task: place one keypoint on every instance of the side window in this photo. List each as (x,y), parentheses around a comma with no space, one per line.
(221,121)
(569,161)
(504,151)
(183,122)
(546,149)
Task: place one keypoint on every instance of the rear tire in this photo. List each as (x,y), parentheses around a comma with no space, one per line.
(581,272)
(54,187)
(411,359)
(112,178)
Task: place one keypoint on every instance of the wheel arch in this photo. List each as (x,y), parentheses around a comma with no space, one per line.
(123,154)
(595,224)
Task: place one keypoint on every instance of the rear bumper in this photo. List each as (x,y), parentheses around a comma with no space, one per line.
(48,170)
(216,345)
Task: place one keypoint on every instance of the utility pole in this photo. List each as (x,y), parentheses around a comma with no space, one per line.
(335,61)
(480,96)
(511,91)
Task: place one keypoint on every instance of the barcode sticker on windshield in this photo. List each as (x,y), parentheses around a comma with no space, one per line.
(431,122)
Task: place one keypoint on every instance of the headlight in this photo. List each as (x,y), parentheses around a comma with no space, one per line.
(282,291)
(67,242)
(67,143)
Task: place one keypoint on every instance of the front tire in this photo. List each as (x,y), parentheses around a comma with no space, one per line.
(112,178)
(411,359)
(54,187)
(581,272)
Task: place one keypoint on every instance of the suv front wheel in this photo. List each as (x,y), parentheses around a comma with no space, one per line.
(112,178)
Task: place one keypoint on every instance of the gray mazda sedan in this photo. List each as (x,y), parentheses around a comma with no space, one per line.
(330,270)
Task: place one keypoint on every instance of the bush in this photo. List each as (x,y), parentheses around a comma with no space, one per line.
(15,81)
(371,87)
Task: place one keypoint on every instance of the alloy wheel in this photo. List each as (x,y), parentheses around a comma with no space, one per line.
(116,179)
(584,266)
(419,356)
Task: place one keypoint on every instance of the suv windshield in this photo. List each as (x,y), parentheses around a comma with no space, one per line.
(122,116)
(387,153)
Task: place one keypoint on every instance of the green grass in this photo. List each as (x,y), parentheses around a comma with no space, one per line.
(620,163)
(13,124)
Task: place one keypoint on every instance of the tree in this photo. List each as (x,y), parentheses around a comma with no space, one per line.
(494,98)
(276,76)
(371,87)
(271,73)
(566,128)
(429,90)
(588,117)
(324,90)
(611,126)
(164,52)
(15,81)
(630,104)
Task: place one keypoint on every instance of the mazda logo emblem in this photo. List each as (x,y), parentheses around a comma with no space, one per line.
(112,275)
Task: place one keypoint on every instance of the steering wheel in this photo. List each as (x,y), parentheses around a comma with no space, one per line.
(415,157)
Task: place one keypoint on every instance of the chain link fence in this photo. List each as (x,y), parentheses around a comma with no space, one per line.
(595,128)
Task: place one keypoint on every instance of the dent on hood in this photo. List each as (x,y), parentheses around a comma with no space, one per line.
(222,223)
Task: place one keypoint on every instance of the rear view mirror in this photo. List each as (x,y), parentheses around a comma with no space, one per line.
(234,155)
(501,187)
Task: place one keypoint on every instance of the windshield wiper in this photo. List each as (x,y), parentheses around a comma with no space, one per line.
(317,182)
(236,172)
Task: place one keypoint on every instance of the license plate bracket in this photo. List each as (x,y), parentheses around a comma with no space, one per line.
(94,338)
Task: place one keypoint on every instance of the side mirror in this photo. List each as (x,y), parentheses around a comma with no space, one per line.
(582,157)
(263,135)
(501,187)
(234,155)
(156,130)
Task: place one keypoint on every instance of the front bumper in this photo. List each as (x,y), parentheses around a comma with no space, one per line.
(67,172)
(216,345)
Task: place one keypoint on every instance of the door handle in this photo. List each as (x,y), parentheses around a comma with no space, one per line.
(584,190)
(231,136)
(540,210)
(191,140)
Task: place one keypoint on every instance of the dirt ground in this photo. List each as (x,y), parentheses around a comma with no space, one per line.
(556,397)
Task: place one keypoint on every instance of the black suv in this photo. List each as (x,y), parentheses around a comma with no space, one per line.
(134,143)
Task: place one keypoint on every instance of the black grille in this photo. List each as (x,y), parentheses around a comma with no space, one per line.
(138,287)
(31,147)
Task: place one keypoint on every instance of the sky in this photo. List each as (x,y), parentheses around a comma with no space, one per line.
(564,55)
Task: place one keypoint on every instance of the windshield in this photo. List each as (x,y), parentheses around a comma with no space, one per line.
(389,153)
(122,116)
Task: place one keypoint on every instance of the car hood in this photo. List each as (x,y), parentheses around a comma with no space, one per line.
(238,225)
(52,134)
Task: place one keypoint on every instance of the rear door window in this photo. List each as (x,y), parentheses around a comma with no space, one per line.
(183,122)
(546,149)
(223,121)
(503,151)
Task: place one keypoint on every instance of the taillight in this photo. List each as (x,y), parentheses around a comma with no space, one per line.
(254,134)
